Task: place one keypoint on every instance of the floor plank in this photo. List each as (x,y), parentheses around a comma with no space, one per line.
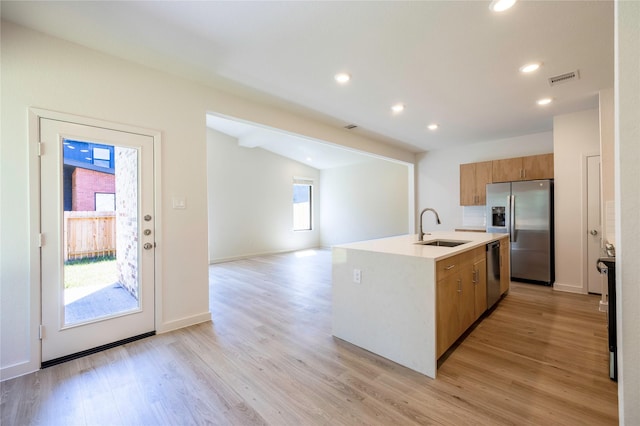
(268,358)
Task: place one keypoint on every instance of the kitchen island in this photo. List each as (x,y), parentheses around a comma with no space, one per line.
(400,299)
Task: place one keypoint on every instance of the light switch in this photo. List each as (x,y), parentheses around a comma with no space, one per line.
(179,203)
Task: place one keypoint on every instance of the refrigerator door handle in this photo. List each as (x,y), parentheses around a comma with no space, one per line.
(512,217)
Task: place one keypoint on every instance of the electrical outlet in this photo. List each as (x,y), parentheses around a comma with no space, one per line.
(357,276)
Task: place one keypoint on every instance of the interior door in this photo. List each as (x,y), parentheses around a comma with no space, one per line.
(97,225)
(594,228)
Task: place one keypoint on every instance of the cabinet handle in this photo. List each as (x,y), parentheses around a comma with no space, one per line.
(459,285)
(475,276)
(450,267)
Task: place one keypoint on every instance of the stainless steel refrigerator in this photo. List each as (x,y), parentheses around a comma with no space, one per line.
(525,211)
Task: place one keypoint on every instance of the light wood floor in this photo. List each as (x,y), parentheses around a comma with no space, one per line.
(268,357)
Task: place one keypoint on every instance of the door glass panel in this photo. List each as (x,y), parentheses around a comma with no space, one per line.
(100,231)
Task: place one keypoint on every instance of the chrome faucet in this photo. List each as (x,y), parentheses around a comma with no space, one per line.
(421,236)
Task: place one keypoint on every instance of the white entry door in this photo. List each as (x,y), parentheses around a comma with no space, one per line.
(594,228)
(97,225)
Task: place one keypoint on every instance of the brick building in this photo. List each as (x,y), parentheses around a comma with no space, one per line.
(89,177)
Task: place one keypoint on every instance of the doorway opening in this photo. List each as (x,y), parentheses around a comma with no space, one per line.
(97,215)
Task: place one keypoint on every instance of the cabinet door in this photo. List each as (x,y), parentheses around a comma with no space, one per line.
(467,299)
(505,265)
(467,184)
(507,170)
(538,167)
(448,323)
(484,172)
(480,284)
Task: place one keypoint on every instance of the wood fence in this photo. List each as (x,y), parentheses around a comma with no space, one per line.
(89,234)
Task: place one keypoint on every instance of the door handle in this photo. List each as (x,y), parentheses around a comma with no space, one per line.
(512,217)
(594,232)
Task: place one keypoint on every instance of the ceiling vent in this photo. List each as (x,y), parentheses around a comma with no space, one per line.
(563,78)
(350,126)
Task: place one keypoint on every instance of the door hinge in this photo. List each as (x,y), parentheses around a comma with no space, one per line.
(40,240)
(41,332)
(40,149)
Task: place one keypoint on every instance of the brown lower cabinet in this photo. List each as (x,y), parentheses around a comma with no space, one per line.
(505,265)
(461,295)
(480,285)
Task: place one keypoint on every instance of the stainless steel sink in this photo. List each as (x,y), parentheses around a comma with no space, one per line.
(442,243)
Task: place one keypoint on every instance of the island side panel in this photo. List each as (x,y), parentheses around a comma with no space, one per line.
(391,312)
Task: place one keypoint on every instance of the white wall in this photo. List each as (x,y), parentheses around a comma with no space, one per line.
(364,201)
(45,72)
(607,164)
(439,175)
(250,195)
(627,94)
(39,71)
(575,136)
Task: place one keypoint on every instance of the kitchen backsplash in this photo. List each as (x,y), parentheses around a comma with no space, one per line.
(474,216)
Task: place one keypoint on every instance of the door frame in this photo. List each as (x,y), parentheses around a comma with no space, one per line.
(35,304)
(588,263)
(584,224)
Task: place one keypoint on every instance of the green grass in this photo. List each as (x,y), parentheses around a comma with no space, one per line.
(89,272)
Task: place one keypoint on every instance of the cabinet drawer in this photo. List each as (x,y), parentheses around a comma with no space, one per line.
(449,266)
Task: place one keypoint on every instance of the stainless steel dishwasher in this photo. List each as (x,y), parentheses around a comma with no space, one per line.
(493,273)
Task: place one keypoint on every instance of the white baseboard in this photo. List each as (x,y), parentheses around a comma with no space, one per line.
(568,288)
(17,370)
(258,254)
(184,322)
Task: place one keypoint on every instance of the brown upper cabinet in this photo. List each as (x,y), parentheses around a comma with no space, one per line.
(474,178)
(523,168)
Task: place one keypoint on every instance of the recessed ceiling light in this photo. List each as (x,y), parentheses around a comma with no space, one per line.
(342,77)
(397,108)
(309,159)
(433,126)
(527,68)
(544,101)
(501,5)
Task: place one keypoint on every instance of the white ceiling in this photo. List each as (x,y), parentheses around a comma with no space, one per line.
(451,62)
(316,154)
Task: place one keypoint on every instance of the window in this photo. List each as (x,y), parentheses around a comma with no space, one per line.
(102,157)
(105,202)
(302,198)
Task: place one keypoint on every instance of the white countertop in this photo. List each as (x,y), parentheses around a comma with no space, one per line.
(405,244)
